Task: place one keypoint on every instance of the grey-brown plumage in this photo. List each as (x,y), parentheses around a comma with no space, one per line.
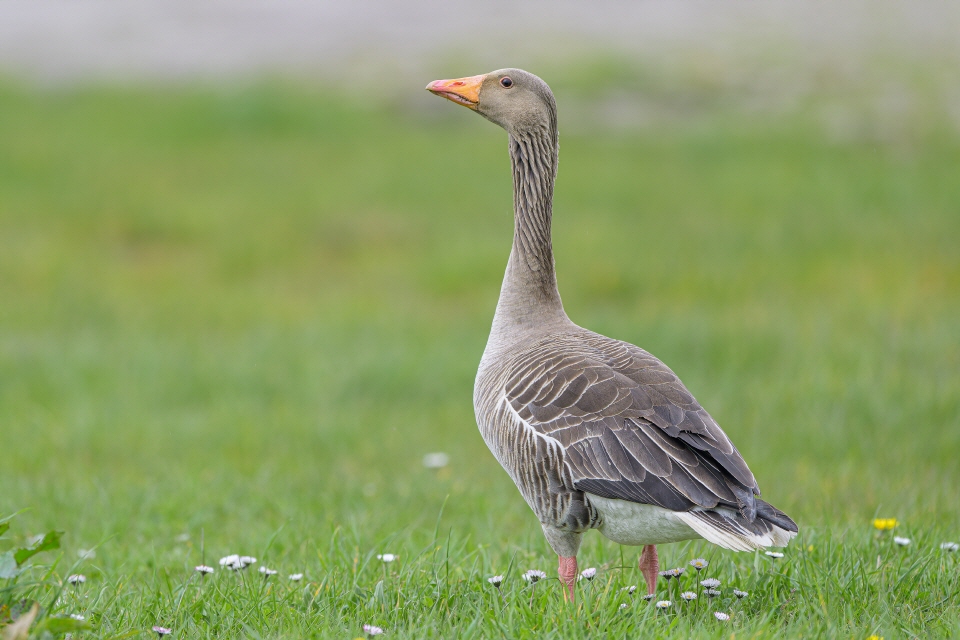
(595,432)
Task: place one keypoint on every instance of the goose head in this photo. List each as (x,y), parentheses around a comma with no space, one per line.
(515,99)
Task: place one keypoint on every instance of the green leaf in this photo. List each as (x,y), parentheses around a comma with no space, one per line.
(50,540)
(3,527)
(8,566)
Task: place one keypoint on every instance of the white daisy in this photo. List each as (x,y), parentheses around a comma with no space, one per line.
(247,560)
(950,546)
(231,562)
(623,606)
(710,583)
(372,630)
(496,581)
(534,575)
(671,573)
(774,554)
(76,578)
(77,616)
(295,577)
(588,574)
(901,541)
(436,460)
(162,631)
(711,593)
(267,572)
(630,590)
(663,604)
(688,596)
(648,597)
(203,569)
(699,564)
(386,557)
(740,594)
(721,616)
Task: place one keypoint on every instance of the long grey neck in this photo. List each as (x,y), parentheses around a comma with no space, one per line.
(529,299)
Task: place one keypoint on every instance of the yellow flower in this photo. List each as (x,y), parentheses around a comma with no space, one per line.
(876,637)
(885,524)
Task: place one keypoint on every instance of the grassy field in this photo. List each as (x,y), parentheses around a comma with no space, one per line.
(233,320)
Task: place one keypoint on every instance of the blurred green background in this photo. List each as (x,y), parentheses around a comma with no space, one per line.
(247,306)
(286,294)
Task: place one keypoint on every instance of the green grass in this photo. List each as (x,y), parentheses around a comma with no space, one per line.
(233,321)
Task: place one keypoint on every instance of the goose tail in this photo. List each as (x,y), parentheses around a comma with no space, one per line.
(732,530)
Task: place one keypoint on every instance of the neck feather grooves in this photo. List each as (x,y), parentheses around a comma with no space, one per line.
(534,161)
(529,301)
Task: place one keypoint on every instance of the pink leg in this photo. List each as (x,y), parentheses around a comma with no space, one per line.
(650,567)
(568,575)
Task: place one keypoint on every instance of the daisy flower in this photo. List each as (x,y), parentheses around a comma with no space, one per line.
(711,593)
(372,630)
(630,590)
(534,575)
(203,569)
(648,597)
(950,546)
(162,631)
(247,560)
(677,572)
(295,577)
(666,575)
(231,562)
(699,564)
(663,604)
(436,460)
(688,596)
(496,581)
(267,572)
(710,583)
(721,616)
(588,574)
(77,617)
(76,578)
(623,606)
(774,554)
(386,557)
(740,594)
(902,541)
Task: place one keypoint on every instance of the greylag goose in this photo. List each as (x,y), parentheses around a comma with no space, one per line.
(596,433)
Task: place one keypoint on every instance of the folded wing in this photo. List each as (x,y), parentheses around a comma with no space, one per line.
(629,428)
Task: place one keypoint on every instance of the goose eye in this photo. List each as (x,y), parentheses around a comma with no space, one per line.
(506,82)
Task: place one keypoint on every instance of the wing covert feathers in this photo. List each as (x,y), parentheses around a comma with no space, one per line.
(630,430)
